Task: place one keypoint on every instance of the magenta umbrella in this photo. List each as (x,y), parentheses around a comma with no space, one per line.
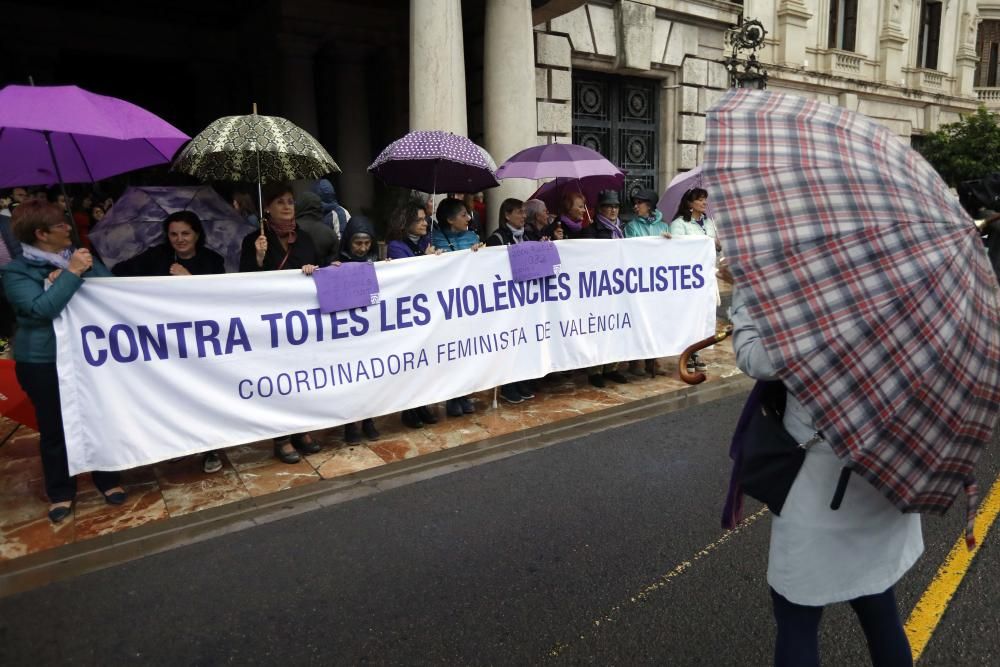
(64,134)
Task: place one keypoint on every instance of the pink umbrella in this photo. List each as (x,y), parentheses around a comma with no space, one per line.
(64,134)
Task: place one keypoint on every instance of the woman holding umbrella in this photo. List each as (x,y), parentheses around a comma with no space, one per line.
(282,244)
(39,284)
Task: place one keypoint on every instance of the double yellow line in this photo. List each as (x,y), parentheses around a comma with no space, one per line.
(930,608)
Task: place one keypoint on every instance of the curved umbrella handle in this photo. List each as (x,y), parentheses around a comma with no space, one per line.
(699,377)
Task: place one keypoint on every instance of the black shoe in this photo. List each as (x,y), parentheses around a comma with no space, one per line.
(57,514)
(616,376)
(411,419)
(305,446)
(510,394)
(368,428)
(283,456)
(352,434)
(453,407)
(116,498)
(524,390)
(427,415)
(467,406)
(597,381)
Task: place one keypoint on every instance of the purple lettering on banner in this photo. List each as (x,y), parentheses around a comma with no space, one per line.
(350,285)
(533,259)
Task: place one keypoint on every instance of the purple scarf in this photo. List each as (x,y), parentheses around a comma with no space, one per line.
(571,224)
(616,231)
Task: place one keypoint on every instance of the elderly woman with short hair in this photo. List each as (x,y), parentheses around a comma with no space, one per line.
(39,284)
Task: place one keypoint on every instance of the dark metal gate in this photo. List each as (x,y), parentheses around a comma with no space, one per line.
(617,117)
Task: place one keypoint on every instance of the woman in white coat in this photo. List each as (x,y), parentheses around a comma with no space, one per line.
(820,556)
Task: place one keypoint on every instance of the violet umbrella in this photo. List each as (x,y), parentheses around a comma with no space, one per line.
(680,184)
(64,134)
(435,161)
(590,187)
(584,167)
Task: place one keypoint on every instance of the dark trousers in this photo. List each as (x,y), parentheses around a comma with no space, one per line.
(798,631)
(41,383)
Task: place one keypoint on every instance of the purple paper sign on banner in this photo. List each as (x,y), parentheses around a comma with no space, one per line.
(533,259)
(350,285)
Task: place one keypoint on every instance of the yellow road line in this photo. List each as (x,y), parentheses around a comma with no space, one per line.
(930,608)
(612,614)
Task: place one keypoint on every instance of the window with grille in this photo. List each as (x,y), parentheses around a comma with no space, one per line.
(930,34)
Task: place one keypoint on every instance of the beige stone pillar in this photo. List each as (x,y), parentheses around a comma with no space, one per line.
(437,66)
(509,116)
(793,19)
(354,153)
(298,86)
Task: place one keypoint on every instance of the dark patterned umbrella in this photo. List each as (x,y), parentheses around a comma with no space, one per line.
(254,149)
(436,161)
(870,286)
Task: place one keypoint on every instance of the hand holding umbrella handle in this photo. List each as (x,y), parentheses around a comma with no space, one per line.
(699,377)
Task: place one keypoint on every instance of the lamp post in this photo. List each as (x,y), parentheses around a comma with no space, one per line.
(746,73)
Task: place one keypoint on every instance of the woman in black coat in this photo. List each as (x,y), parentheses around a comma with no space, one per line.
(183,253)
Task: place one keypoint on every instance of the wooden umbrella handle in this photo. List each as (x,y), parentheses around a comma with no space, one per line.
(699,377)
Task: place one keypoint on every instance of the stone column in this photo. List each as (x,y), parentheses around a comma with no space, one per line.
(354,151)
(793,18)
(437,66)
(298,85)
(509,118)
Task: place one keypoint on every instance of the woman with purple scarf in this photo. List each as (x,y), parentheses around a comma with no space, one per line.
(606,226)
(573,214)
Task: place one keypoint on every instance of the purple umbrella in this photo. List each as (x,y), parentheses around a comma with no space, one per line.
(436,161)
(557,160)
(552,193)
(64,134)
(680,184)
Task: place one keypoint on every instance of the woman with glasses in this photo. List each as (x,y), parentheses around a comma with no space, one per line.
(39,284)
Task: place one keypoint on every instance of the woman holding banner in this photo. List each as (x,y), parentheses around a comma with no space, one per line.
(282,244)
(39,284)
(408,238)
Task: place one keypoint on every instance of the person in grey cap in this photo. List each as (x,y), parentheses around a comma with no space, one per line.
(606,226)
(648,221)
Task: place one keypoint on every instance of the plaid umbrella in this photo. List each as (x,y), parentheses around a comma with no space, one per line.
(869,283)
(254,149)
(436,161)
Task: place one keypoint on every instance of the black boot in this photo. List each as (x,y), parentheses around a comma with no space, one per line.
(411,418)
(368,428)
(352,434)
(427,415)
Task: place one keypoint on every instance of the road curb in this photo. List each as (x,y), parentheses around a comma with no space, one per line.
(60,563)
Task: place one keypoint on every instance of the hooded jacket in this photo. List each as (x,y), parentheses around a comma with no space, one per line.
(359,224)
(309,216)
(331,207)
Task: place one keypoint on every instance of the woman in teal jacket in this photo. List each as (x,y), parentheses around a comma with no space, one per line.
(39,284)
(647,221)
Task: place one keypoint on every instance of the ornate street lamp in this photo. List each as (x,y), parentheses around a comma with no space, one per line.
(746,73)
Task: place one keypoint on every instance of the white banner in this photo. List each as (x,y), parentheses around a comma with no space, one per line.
(157,368)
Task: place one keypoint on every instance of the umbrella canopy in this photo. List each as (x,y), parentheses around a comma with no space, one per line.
(53,133)
(590,187)
(436,161)
(870,287)
(680,184)
(254,149)
(554,160)
(135,222)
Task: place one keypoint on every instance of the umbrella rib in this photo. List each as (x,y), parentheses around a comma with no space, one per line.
(83,158)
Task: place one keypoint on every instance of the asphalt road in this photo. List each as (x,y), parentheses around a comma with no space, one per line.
(605,550)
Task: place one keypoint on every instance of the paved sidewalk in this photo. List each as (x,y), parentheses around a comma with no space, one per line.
(167,490)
